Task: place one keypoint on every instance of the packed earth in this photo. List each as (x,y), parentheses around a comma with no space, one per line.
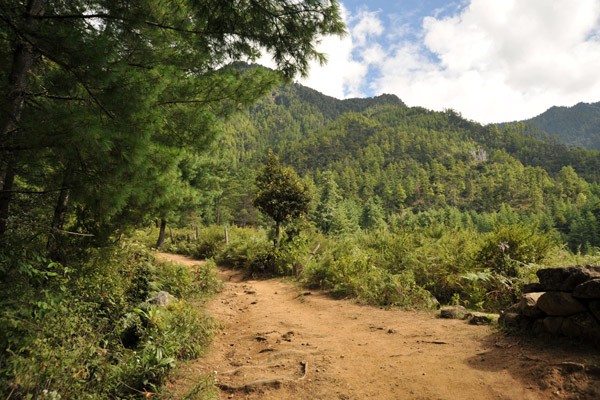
(280,341)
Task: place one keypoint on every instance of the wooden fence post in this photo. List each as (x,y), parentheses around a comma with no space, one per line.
(299,272)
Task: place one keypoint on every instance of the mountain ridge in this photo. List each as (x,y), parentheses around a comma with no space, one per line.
(577,125)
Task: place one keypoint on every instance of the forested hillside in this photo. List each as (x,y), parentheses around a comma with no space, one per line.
(376,161)
(576,126)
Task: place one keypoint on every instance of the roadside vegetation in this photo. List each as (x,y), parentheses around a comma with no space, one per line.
(86,331)
(409,266)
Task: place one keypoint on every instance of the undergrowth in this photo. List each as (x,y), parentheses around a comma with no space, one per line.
(84,331)
(407,266)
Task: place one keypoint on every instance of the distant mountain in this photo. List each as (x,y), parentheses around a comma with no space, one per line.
(289,114)
(333,107)
(298,123)
(575,126)
(403,158)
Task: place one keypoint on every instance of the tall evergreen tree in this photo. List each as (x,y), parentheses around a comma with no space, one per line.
(99,96)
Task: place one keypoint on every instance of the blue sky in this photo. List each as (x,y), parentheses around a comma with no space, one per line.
(490,60)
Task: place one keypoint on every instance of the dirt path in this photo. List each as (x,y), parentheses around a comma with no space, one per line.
(280,342)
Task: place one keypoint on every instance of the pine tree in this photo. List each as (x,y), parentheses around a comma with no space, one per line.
(280,194)
(100,96)
(372,216)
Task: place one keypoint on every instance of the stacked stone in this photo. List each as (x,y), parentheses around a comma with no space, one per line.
(565,302)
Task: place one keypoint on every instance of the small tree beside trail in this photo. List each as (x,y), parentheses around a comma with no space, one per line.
(280,195)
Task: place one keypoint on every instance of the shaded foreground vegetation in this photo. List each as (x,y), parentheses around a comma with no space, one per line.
(86,331)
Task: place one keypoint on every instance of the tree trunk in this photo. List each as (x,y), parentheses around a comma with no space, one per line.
(22,63)
(5,197)
(226,236)
(218,210)
(161,234)
(171,234)
(277,233)
(60,212)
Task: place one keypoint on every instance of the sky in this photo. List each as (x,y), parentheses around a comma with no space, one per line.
(490,60)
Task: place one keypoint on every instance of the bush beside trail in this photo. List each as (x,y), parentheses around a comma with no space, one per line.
(407,266)
(85,331)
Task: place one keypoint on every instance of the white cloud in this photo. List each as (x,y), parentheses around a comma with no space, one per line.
(349,57)
(491,60)
(342,75)
(500,60)
(367,26)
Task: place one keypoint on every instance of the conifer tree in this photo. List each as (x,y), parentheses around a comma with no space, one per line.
(330,215)
(100,96)
(372,216)
(280,194)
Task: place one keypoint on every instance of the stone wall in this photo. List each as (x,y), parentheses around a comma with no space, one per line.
(565,302)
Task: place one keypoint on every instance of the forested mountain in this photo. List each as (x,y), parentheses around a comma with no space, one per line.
(288,114)
(375,160)
(576,126)
(292,112)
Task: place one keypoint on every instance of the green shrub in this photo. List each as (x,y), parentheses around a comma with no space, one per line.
(271,261)
(509,247)
(189,282)
(81,331)
(356,275)
(245,244)
(429,257)
(211,241)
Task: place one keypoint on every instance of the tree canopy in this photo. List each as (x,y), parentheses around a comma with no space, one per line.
(105,100)
(280,194)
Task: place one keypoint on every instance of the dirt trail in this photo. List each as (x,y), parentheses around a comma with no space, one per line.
(281,342)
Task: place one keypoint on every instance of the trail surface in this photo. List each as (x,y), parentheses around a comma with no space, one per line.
(281,342)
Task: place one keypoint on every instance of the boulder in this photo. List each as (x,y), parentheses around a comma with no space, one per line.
(458,312)
(588,290)
(559,303)
(582,326)
(538,327)
(513,309)
(479,318)
(513,320)
(553,325)
(565,278)
(528,305)
(595,308)
(593,268)
(532,287)
(162,299)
